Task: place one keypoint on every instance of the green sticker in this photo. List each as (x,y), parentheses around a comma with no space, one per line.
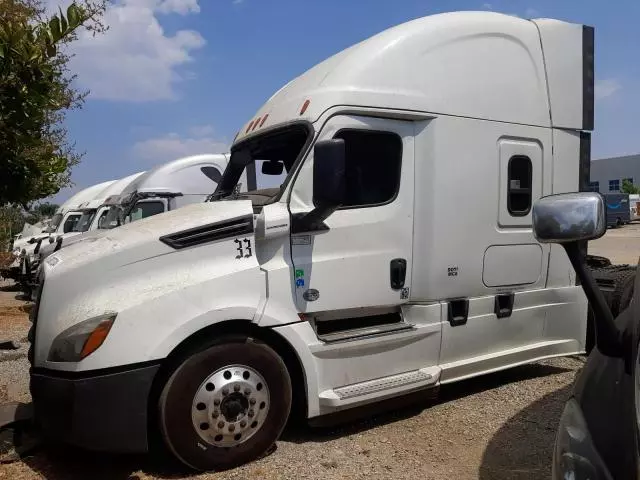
(299,273)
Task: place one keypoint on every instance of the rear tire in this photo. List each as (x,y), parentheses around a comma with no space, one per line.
(205,415)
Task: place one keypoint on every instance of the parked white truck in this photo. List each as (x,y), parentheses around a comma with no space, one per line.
(93,214)
(348,283)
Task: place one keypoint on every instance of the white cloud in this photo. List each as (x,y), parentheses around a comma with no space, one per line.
(606,88)
(135,60)
(201,131)
(183,7)
(200,139)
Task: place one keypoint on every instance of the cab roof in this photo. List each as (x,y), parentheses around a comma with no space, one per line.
(484,65)
(185,175)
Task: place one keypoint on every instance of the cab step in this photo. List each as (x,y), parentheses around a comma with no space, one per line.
(365,332)
(380,388)
(359,325)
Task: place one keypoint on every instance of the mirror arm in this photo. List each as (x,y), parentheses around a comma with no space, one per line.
(312,221)
(608,337)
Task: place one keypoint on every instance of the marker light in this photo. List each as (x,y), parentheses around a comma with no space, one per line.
(305,105)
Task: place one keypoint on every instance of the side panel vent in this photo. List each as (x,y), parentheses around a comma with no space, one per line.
(209,233)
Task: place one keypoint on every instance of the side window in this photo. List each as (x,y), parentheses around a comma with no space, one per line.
(373,163)
(146,209)
(614,185)
(520,174)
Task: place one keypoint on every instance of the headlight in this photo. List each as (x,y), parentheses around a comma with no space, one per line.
(575,457)
(81,340)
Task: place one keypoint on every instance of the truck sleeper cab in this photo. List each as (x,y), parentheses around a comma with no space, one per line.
(339,278)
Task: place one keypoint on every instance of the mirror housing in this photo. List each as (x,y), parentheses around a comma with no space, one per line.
(569,217)
(329,185)
(271,167)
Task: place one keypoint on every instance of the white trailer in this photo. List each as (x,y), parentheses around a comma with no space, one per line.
(349,282)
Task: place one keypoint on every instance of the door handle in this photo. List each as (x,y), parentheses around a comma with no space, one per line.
(398,272)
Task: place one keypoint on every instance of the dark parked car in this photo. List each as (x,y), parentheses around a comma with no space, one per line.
(598,433)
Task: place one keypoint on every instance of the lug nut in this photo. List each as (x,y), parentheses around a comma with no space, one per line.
(247,391)
(215,414)
(220,424)
(225,391)
(232,428)
(251,413)
(216,402)
(252,401)
(236,388)
(243,424)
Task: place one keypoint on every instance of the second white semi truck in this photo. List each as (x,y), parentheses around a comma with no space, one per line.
(347,281)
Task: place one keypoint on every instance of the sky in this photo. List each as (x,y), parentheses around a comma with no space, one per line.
(178,77)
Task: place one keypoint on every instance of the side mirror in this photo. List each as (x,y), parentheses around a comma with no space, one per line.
(329,173)
(271,167)
(329,185)
(568,219)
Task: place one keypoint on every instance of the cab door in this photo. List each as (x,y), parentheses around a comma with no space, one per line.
(362,259)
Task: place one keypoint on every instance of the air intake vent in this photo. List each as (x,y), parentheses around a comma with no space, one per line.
(210,233)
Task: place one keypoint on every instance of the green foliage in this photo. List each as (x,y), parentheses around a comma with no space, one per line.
(35,92)
(44,210)
(628,187)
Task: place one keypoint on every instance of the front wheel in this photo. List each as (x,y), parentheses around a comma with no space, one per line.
(225,405)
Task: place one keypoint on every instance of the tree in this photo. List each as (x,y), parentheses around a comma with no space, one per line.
(44,210)
(36,91)
(628,187)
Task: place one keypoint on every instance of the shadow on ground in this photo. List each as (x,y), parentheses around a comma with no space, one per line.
(12,287)
(56,462)
(523,447)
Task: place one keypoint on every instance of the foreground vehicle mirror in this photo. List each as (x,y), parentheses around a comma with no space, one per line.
(329,185)
(568,219)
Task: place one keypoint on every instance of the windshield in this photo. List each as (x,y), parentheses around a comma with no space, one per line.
(267,161)
(55,221)
(70,222)
(114,218)
(84,221)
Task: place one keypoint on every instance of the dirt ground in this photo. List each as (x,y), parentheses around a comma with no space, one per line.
(500,426)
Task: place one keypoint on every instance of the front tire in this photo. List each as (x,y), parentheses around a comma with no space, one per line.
(225,405)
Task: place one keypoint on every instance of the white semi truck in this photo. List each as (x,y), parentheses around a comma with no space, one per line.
(63,221)
(349,282)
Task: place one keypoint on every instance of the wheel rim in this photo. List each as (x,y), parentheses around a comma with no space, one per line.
(230,406)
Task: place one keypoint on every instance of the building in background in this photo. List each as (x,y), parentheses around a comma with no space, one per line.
(607,174)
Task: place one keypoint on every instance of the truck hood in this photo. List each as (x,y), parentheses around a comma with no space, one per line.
(140,240)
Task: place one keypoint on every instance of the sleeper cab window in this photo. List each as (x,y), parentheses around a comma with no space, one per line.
(373,163)
(520,174)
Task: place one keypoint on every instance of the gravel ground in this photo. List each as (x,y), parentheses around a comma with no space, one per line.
(500,426)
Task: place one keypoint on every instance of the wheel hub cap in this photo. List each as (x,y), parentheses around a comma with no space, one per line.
(230,406)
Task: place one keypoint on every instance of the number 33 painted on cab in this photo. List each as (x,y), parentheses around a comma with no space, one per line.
(243,248)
